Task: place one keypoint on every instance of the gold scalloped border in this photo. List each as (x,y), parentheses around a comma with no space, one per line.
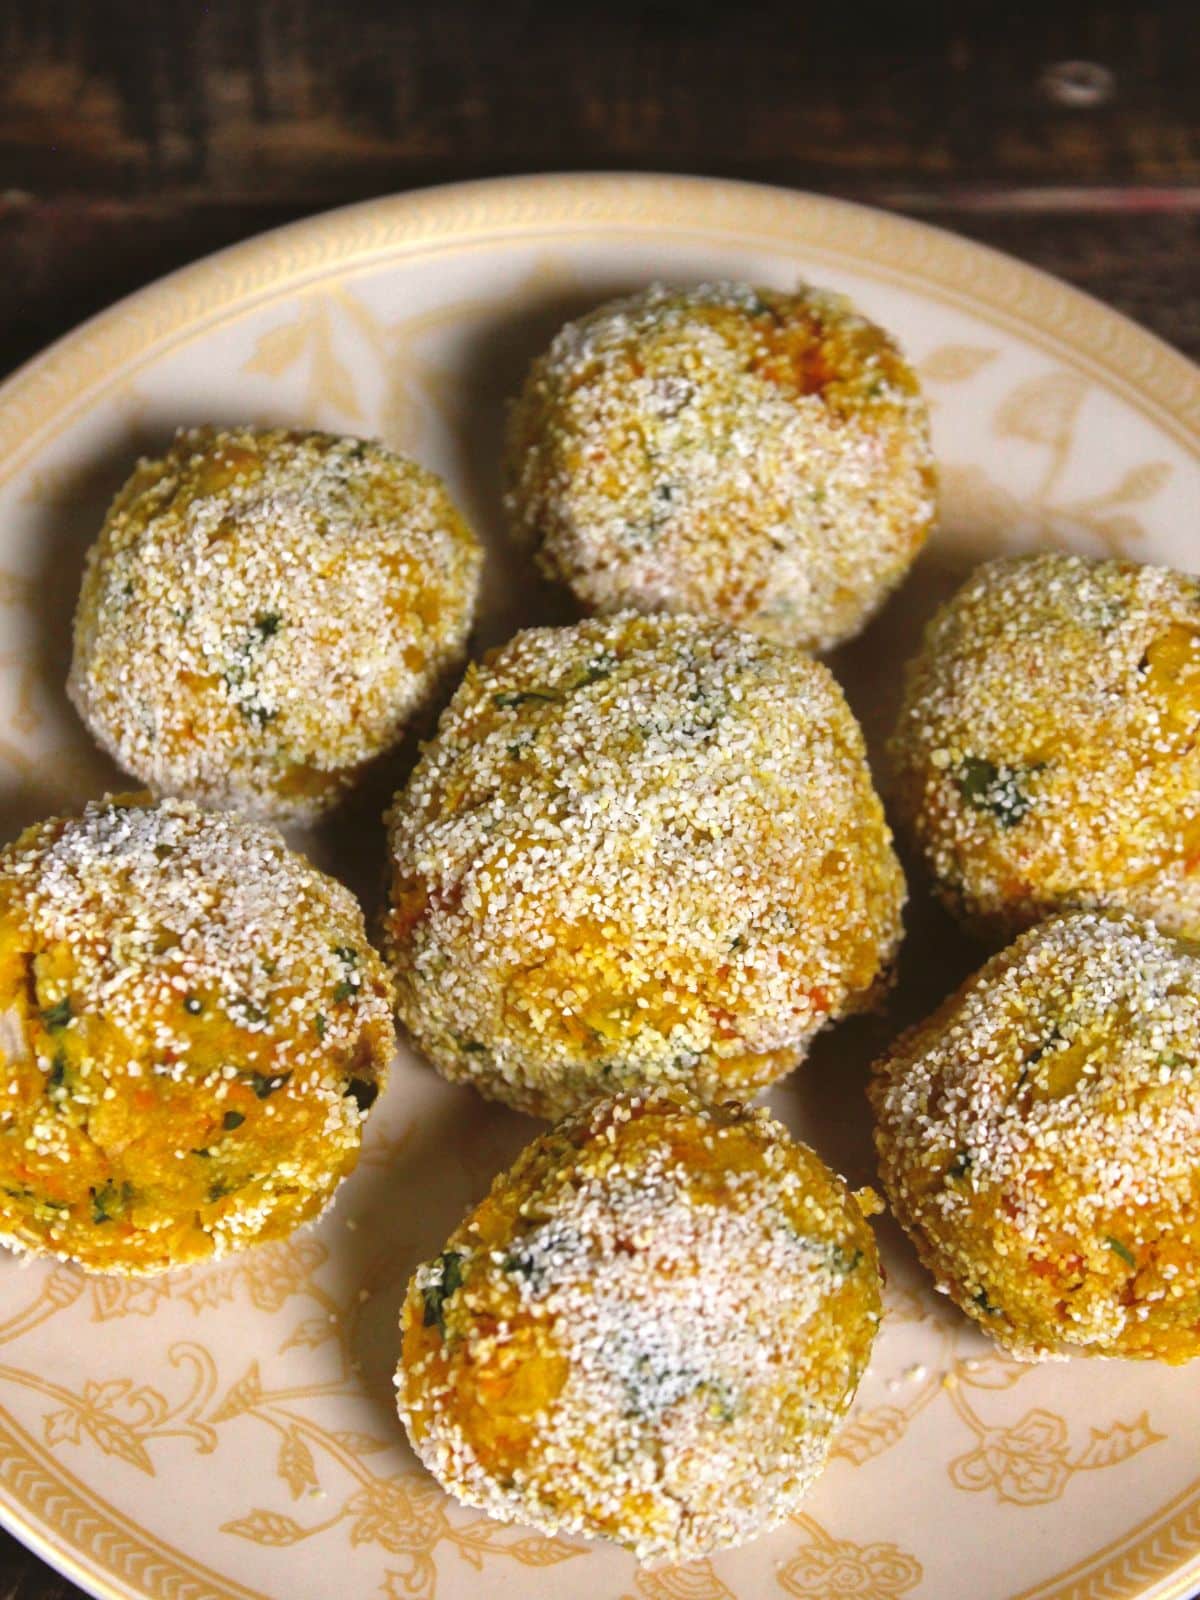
(104,1549)
(40,1500)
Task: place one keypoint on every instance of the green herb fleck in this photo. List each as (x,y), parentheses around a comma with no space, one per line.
(343,991)
(985,1305)
(109,1202)
(265,1084)
(232,1120)
(268,624)
(321,1024)
(58,1072)
(518,697)
(57,1016)
(960,1166)
(996,790)
(249,1012)
(435,1295)
(843,1261)
(1120,1248)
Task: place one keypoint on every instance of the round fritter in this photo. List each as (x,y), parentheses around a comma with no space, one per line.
(1037,1138)
(754,456)
(263,612)
(1046,753)
(647,1332)
(640,850)
(192,1028)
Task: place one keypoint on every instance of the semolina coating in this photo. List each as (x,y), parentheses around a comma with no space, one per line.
(753,456)
(640,851)
(1037,1138)
(647,1332)
(264,611)
(192,1030)
(1046,754)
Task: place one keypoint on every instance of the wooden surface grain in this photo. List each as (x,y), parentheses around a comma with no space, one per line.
(135,137)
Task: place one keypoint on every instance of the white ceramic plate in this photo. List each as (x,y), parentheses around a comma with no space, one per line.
(229,1431)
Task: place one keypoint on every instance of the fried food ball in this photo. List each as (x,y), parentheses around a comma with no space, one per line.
(1037,1139)
(192,1029)
(640,850)
(263,612)
(758,457)
(1046,754)
(648,1332)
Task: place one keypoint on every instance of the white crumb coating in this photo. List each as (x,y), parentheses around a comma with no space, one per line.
(263,612)
(755,456)
(640,850)
(192,1029)
(1038,1139)
(1046,755)
(647,1332)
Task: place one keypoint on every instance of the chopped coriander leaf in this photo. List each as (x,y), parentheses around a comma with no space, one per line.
(265,1084)
(996,789)
(232,1120)
(435,1295)
(960,1166)
(344,990)
(59,1014)
(321,1024)
(346,954)
(1120,1248)
(984,1303)
(268,624)
(109,1202)
(58,1072)
(518,697)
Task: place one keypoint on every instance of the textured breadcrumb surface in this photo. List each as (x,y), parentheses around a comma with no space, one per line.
(640,850)
(1046,755)
(192,1029)
(264,611)
(1038,1139)
(646,1333)
(741,453)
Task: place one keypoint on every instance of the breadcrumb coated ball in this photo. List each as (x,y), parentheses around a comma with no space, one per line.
(647,1332)
(263,612)
(192,1029)
(1046,754)
(640,850)
(758,457)
(1037,1138)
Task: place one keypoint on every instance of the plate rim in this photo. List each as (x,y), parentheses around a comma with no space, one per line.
(65,380)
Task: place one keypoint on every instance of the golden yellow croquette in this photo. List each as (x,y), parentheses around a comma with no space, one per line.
(1046,754)
(758,457)
(263,612)
(1037,1138)
(647,1332)
(640,850)
(192,1028)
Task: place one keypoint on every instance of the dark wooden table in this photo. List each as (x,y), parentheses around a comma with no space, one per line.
(136,136)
